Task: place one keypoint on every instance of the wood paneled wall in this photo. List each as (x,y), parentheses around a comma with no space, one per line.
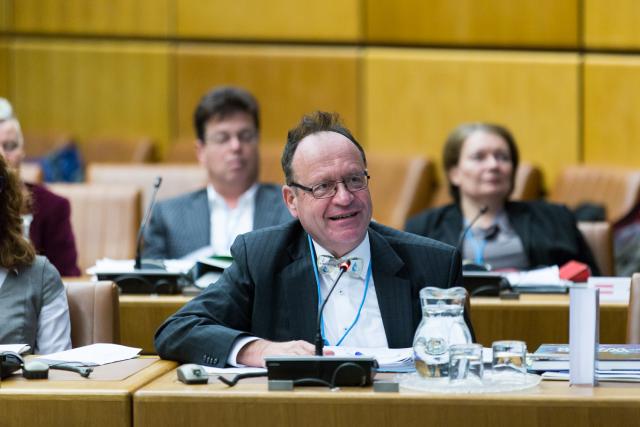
(552,23)
(138,67)
(287,81)
(328,20)
(93,88)
(612,110)
(414,98)
(105,17)
(612,24)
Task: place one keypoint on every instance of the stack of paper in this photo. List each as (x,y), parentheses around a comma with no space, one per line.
(389,359)
(542,280)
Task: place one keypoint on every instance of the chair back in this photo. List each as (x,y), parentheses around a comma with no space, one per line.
(633,313)
(400,186)
(599,237)
(182,151)
(94,312)
(616,188)
(105,220)
(176,178)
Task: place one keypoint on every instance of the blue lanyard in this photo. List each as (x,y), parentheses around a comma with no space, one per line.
(479,245)
(317,276)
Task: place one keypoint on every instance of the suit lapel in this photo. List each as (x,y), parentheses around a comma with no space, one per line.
(265,213)
(197,221)
(301,292)
(393,292)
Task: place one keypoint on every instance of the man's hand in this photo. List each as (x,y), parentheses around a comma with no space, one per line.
(253,354)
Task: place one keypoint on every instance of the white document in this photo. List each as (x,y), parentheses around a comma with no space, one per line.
(233,371)
(94,354)
(612,289)
(388,358)
(584,322)
(548,277)
(16,348)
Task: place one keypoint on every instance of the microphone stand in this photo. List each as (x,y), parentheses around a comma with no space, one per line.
(145,220)
(344,266)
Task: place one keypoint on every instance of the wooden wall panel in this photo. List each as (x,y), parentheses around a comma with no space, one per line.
(288,82)
(6,15)
(328,20)
(118,17)
(551,23)
(93,89)
(612,25)
(611,106)
(414,98)
(5,88)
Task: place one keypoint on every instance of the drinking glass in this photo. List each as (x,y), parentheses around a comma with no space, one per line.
(509,358)
(465,362)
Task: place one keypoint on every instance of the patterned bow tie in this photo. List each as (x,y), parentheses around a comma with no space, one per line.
(329,265)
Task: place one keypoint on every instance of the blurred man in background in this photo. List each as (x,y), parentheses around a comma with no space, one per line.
(207,221)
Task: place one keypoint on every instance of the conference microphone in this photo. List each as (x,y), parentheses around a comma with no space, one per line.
(145,220)
(343,266)
(483,210)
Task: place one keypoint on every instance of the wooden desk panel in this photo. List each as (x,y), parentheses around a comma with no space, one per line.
(165,401)
(535,319)
(73,403)
(538,319)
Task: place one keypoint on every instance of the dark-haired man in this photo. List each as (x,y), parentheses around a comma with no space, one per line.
(267,302)
(227,126)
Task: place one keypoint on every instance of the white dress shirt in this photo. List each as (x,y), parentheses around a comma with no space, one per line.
(342,307)
(54,328)
(226,222)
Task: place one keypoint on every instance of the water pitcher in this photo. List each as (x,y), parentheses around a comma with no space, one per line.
(442,325)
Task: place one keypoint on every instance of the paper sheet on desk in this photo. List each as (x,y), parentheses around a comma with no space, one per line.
(233,371)
(94,354)
(547,277)
(612,289)
(16,348)
(389,359)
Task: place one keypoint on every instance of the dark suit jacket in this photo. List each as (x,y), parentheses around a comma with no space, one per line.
(548,231)
(270,292)
(51,232)
(181,225)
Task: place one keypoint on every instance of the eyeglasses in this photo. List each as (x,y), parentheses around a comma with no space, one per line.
(9,146)
(328,189)
(244,136)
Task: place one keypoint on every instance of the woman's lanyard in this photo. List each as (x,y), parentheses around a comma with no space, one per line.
(479,245)
(317,276)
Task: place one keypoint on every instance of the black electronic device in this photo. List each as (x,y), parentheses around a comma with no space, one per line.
(147,281)
(10,362)
(332,371)
(484,283)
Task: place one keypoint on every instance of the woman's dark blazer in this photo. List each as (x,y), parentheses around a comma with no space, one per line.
(548,231)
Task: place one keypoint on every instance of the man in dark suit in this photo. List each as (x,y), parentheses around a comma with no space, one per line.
(227,126)
(267,302)
(47,218)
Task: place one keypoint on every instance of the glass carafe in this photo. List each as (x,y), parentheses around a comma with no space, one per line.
(442,325)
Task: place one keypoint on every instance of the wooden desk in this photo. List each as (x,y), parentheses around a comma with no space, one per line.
(141,315)
(78,402)
(535,319)
(538,319)
(166,402)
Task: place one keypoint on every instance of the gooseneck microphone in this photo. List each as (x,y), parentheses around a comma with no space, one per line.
(483,210)
(145,220)
(343,266)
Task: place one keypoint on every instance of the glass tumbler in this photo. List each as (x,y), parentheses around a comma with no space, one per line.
(465,363)
(509,359)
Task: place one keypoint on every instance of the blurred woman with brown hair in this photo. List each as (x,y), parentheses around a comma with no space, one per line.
(480,162)
(33,301)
